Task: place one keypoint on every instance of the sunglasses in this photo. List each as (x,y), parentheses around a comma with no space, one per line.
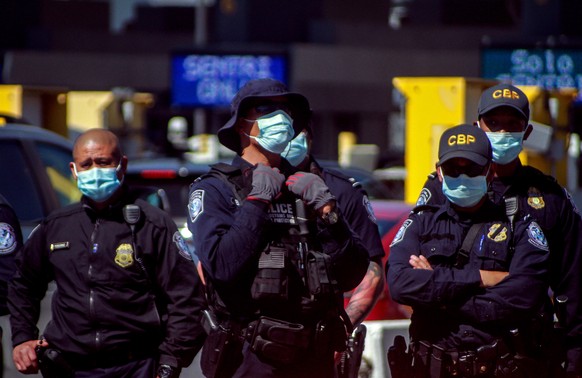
(471,170)
(266,108)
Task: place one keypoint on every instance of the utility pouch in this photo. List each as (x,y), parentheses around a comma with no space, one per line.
(221,354)
(438,362)
(52,364)
(278,342)
(319,280)
(421,360)
(271,282)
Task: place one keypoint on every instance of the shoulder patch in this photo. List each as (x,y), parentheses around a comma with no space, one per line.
(8,241)
(424,197)
(536,236)
(183,249)
(400,234)
(369,209)
(196,204)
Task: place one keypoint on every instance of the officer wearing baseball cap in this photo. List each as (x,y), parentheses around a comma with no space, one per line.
(472,277)
(275,250)
(503,114)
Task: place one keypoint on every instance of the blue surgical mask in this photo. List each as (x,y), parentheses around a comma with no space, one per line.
(506,146)
(98,183)
(464,191)
(275,131)
(296,150)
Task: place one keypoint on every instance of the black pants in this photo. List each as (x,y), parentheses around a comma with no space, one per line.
(145,368)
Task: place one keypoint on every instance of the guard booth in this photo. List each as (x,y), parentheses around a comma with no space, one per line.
(39,106)
(433,104)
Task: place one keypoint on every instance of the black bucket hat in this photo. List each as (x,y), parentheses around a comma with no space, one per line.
(250,93)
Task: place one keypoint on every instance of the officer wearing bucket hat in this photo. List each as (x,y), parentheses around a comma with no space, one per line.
(472,277)
(275,250)
(503,113)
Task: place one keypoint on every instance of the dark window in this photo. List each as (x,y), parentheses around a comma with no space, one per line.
(56,163)
(18,184)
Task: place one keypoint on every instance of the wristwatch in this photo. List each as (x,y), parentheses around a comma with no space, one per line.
(166,371)
(330,218)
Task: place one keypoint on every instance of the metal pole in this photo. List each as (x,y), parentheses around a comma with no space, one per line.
(200,40)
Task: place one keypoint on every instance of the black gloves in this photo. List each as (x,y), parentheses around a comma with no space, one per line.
(311,188)
(267,183)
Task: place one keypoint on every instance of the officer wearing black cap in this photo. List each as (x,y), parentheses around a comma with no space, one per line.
(473,278)
(503,113)
(275,250)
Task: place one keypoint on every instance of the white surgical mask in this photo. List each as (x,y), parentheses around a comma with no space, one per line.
(275,131)
(296,150)
(98,183)
(506,146)
(464,191)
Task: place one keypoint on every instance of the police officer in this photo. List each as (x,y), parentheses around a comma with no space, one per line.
(353,201)
(127,302)
(275,249)
(473,277)
(10,244)
(503,113)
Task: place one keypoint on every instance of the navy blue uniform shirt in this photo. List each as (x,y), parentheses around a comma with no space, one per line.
(357,210)
(541,197)
(106,300)
(450,307)
(230,233)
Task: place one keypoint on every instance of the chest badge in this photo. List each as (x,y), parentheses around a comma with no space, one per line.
(496,233)
(124,255)
(536,202)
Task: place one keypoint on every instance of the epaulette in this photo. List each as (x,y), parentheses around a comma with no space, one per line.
(433,175)
(353,182)
(217,170)
(420,208)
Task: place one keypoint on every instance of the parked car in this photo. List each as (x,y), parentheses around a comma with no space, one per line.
(35,165)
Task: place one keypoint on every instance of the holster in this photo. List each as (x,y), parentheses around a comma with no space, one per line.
(277,342)
(222,353)
(52,364)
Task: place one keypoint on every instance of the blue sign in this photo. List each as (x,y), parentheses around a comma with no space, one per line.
(546,68)
(210,80)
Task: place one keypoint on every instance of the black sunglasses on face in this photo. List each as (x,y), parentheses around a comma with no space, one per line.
(271,107)
(471,170)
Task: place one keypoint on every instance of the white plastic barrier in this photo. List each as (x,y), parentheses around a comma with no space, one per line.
(379,338)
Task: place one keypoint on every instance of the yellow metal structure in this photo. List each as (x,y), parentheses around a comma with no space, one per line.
(85,109)
(11,100)
(434,104)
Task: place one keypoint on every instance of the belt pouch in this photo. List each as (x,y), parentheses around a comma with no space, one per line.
(278,342)
(437,362)
(319,281)
(271,282)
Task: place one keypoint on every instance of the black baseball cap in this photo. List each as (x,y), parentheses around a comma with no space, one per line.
(254,90)
(465,141)
(503,95)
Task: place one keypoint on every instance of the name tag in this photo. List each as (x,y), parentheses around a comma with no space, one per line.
(60,245)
